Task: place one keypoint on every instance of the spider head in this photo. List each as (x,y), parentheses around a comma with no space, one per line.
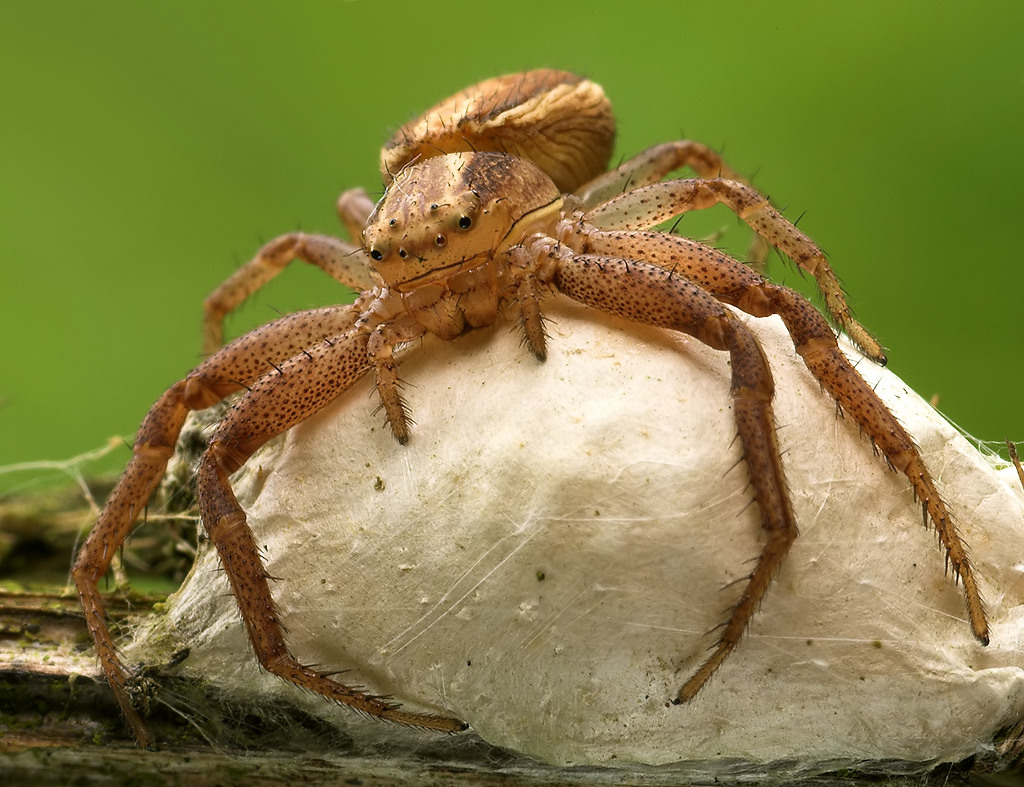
(450,213)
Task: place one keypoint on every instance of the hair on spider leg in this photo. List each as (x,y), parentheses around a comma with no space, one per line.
(403,405)
(241,384)
(718,626)
(331,673)
(731,583)
(741,460)
(751,501)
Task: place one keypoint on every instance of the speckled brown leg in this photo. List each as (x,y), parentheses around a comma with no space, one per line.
(655,296)
(732,282)
(652,165)
(651,205)
(300,387)
(230,370)
(343,261)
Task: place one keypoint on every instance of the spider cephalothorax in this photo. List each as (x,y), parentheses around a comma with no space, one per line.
(497,199)
(449,214)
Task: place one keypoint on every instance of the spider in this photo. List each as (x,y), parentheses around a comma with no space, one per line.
(496,199)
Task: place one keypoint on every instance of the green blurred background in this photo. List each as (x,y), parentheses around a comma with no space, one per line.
(147,149)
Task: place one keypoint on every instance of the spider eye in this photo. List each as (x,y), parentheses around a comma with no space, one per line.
(465,222)
(440,240)
(433,207)
(393,222)
(375,254)
(402,253)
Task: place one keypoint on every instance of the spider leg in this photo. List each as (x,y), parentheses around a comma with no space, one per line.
(344,262)
(651,166)
(381,351)
(531,318)
(645,207)
(235,366)
(354,208)
(1015,460)
(278,401)
(734,283)
(656,162)
(653,295)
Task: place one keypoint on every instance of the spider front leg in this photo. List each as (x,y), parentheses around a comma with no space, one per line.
(298,388)
(648,206)
(344,262)
(235,366)
(734,283)
(649,294)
